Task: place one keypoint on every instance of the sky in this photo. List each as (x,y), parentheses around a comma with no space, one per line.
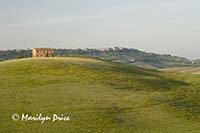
(160,26)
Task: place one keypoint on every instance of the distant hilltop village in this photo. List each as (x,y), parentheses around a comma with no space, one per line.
(112,49)
(104,49)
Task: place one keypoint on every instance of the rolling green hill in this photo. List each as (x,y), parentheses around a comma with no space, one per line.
(98,96)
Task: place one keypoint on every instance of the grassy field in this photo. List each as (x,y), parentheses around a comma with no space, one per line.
(187,70)
(98,96)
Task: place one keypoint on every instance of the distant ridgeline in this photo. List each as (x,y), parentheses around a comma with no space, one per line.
(116,54)
(14,54)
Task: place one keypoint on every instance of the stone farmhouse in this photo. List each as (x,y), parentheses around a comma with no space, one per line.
(42,52)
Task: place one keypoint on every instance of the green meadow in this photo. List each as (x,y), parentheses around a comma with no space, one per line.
(98,96)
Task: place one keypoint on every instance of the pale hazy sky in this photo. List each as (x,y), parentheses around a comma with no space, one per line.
(161,26)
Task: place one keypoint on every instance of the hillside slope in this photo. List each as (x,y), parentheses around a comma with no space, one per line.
(187,70)
(98,96)
(128,56)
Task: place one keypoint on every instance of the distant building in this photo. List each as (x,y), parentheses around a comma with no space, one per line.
(42,52)
(132,60)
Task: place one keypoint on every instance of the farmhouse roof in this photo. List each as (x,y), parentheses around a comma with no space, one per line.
(42,48)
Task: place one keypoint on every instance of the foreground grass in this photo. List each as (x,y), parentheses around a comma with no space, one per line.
(98,96)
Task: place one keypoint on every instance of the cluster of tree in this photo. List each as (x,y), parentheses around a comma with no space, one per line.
(14,54)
